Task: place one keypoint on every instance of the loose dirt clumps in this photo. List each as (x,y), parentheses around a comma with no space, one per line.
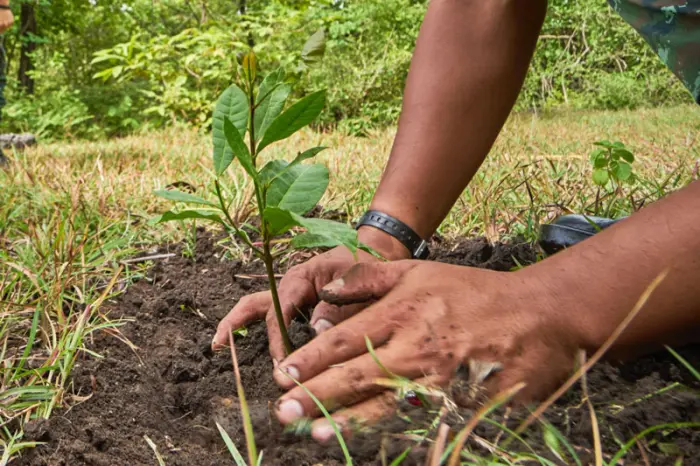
(172,388)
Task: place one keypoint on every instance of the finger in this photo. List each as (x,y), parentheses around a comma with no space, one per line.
(326,316)
(365,282)
(296,292)
(339,344)
(248,310)
(370,411)
(352,382)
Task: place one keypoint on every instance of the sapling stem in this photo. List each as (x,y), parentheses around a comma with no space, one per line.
(266,255)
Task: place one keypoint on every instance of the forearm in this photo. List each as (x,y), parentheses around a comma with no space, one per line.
(598,282)
(468,67)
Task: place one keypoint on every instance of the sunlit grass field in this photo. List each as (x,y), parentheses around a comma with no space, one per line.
(73,213)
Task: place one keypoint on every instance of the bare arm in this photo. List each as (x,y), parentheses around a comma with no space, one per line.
(467,70)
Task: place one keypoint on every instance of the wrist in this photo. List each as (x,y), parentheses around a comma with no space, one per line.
(5,2)
(389,247)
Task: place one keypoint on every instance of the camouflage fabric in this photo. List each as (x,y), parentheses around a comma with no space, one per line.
(672,28)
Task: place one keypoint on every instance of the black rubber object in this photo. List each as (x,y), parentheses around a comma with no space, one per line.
(399,230)
(568,230)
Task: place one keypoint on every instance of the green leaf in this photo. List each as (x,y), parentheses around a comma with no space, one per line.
(250,66)
(232,104)
(294,118)
(624,154)
(319,232)
(622,171)
(279,220)
(298,188)
(597,153)
(324,233)
(270,171)
(307,154)
(238,148)
(274,168)
(601,161)
(188,214)
(600,176)
(604,143)
(179,196)
(272,95)
(314,48)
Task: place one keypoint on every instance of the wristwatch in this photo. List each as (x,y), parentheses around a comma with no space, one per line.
(417,246)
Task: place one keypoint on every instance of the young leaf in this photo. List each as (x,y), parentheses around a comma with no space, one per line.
(596,153)
(232,104)
(238,148)
(624,154)
(307,154)
(324,233)
(622,171)
(179,196)
(600,176)
(249,66)
(294,118)
(188,214)
(271,169)
(298,188)
(604,143)
(312,240)
(274,168)
(314,48)
(279,220)
(601,161)
(272,94)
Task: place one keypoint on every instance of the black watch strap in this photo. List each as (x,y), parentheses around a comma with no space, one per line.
(5,7)
(399,230)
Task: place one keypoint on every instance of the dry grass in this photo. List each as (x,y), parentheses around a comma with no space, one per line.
(70,213)
(538,168)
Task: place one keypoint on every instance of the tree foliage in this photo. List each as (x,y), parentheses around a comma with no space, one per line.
(111,67)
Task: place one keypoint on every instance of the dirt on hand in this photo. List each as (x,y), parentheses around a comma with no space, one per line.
(173,389)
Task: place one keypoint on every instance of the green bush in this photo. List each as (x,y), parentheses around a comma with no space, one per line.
(178,59)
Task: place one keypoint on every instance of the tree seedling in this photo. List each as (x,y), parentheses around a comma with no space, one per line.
(612,163)
(284,191)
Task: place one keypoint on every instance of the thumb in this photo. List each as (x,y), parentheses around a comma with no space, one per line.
(365,281)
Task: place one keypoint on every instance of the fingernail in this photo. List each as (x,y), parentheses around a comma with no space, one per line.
(275,364)
(289,411)
(292,371)
(323,431)
(322,325)
(334,286)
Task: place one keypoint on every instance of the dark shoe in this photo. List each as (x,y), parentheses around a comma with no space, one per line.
(568,230)
(3,159)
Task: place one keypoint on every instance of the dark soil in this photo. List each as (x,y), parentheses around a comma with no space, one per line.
(172,388)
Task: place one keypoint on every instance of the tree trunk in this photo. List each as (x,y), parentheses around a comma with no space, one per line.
(27,30)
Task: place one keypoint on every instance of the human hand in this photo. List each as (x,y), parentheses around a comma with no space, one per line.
(299,289)
(7,19)
(430,319)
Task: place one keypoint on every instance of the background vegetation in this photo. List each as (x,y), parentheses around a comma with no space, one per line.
(93,68)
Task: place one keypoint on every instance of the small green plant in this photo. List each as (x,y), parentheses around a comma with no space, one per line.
(284,191)
(612,161)
(612,166)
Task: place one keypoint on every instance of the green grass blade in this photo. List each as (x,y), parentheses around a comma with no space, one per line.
(399,459)
(326,414)
(237,457)
(633,441)
(682,360)
(30,342)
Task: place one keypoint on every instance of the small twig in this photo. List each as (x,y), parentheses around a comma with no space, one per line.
(154,257)
(439,445)
(594,419)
